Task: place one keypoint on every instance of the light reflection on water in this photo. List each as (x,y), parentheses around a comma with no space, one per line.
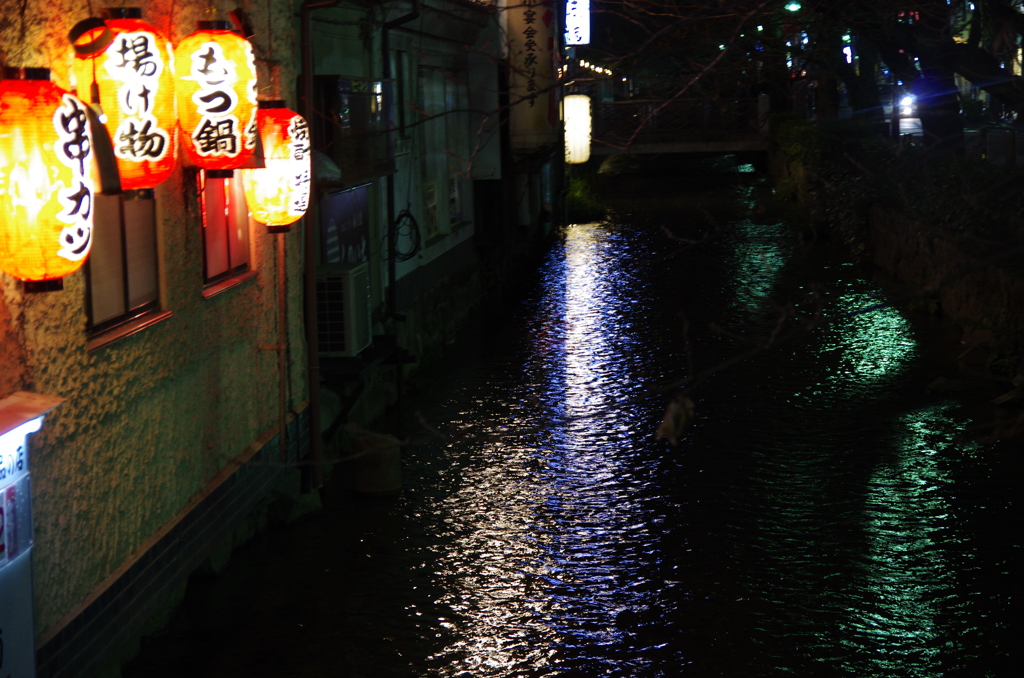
(562,536)
(910,561)
(806,525)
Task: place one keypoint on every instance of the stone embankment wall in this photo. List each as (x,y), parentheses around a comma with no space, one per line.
(976,284)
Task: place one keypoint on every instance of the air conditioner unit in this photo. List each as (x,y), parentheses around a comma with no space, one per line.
(343,309)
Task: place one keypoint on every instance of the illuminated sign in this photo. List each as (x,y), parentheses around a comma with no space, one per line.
(577,22)
(21,413)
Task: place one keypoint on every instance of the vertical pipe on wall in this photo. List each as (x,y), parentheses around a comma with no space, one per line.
(282,343)
(385,44)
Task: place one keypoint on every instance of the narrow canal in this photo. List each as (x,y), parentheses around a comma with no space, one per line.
(819,516)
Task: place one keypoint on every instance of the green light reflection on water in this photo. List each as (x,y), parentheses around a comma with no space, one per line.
(862,345)
(873,342)
(757,259)
(894,612)
(912,554)
(862,349)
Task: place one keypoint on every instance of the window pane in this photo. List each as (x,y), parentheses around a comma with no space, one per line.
(106,268)
(238,216)
(215,227)
(140,245)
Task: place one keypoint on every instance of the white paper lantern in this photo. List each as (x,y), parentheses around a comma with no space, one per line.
(577,128)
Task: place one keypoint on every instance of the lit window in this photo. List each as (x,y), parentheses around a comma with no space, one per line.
(121,274)
(225,225)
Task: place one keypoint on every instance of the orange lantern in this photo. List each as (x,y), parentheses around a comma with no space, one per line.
(278,194)
(134,81)
(216,95)
(46,178)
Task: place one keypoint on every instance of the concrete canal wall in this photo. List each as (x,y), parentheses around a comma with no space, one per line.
(972,282)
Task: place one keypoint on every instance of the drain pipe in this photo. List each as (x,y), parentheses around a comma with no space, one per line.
(385,46)
(309,233)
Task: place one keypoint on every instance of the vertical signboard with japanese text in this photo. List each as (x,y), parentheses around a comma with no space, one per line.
(530,40)
(577,22)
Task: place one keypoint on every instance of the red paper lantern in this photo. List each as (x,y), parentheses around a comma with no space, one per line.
(278,194)
(216,94)
(46,178)
(135,82)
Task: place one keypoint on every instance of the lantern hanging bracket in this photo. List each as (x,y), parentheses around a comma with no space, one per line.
(99,40)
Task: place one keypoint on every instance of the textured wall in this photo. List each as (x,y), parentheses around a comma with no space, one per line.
(152,417)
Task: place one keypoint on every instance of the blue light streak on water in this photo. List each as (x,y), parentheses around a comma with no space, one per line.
(563,509)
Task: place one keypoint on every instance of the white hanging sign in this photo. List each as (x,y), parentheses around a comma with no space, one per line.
(577,22)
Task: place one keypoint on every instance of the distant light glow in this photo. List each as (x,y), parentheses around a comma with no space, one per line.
(848,51)
(793,7)
(594,67)
(577,22)
(907,103)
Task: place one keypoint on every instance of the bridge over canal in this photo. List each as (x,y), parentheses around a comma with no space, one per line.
(684,125)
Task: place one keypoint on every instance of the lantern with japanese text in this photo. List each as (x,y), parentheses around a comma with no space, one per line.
(129,69)
(278,194)
(46,178)
(216,94)
(577,128)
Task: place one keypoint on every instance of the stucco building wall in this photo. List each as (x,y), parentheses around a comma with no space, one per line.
(150,418)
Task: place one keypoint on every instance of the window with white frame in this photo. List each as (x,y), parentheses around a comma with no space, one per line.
(225,225)
(121,273)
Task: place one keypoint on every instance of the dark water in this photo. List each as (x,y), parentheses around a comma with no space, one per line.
(819,517)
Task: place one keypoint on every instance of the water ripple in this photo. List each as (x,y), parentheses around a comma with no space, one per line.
(808,524)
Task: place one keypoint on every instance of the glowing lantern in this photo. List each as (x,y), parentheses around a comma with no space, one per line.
(216,95)
(278,194)
(577,128)
(134,81)
(46,178)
